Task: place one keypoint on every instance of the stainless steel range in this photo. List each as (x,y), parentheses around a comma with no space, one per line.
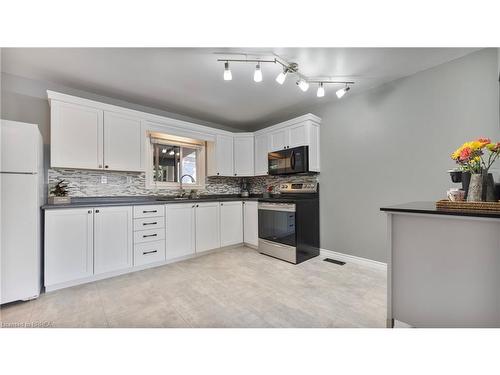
(289,224)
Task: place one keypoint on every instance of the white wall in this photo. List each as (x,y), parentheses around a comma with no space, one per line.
(392,144)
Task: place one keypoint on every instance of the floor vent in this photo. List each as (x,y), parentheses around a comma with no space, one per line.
(334,261)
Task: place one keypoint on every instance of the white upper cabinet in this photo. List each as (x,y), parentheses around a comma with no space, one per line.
(122,142)
(279,139)
(261,151)
(207,226)
(231,223)
(243,155)
(112,238)
(76,136)
(220,156)
(303,131)
(180,230)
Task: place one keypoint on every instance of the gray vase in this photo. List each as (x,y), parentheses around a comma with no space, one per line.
(489,188)
(475,193)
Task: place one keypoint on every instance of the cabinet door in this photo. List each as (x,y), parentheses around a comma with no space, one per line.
(207,226)
(122,142)
(279,139)
(224,155)
(243,155)
(231,223)
(112,239)
(261,151)
(76,134)
(250,223)
(68,245)
(180,230)
(298,135)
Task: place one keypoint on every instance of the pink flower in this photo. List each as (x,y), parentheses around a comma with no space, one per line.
(465,154)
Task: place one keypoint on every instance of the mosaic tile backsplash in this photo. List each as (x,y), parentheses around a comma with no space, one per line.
(85,183)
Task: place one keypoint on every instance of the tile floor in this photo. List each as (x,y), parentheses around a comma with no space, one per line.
(232,288)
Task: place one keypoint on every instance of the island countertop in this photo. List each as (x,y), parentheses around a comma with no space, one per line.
(430,209)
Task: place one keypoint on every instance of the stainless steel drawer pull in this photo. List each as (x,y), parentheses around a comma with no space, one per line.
(154,223)
(149,252)
(151,211)
(149,235)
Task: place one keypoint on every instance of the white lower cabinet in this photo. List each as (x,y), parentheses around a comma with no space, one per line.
(149,252)
(231,223)
(112,238)
(180,230)
(207,226)
(251,223)
(69,250)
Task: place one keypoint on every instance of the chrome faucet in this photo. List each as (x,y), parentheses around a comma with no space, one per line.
(180,182)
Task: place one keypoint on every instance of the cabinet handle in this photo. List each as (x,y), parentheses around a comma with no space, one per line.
(150,223)
(96,211)
(193,206)
(222,204)
(149,235)
(217,173)
(197,205)
(106,166)
(150,211)
(90,211)
(149,252)
(100,165)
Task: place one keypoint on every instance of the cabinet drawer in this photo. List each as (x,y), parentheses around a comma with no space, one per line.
(149,235)
(149,223)
(149,252)
(149,211)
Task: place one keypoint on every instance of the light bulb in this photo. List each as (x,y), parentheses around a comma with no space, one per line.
(340,93)
(304,86)
(227,72)
(171,152)
(321,91)
(257,76)
(281,77)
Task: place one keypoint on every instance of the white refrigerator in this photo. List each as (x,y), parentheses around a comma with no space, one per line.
(22,191)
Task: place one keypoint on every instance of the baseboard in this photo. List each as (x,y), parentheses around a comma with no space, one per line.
(353,259)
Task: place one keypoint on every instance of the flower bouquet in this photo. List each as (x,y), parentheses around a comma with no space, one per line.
(476,158)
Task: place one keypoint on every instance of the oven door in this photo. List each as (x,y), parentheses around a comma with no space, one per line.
(277,223)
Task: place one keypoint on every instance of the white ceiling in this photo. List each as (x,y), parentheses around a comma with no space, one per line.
(188,81)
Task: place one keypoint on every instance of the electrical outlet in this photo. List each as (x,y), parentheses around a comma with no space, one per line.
(104,180)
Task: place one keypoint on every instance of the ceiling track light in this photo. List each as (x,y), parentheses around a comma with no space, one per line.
(288,68)
(227,72)
(257,75)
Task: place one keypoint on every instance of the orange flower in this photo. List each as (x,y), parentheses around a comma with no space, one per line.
(483,141)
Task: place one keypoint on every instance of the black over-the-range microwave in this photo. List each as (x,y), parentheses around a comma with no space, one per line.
(289,161)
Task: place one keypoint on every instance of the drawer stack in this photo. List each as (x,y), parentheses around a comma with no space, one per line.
(149,234)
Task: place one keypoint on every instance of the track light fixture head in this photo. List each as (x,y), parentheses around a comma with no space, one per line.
(257,76)
(227,72)
(303,85)
(282,76)
(340,93)
(321,90)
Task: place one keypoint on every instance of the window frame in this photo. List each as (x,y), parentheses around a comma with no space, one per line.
(200,165)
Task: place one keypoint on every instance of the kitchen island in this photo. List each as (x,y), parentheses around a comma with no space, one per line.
(443,267)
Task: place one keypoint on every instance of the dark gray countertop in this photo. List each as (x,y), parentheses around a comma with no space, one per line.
(143,200)
(430,208)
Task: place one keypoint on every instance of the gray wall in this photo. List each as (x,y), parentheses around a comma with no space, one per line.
(391,145)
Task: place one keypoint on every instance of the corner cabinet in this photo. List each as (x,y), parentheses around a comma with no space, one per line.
(251,223)
(84,137)
(262,148)
(220,156)
(243,146)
